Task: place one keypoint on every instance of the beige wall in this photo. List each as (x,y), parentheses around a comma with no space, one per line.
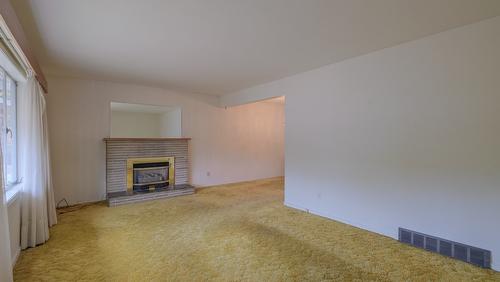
(170,123)
(234,144)
(131,124)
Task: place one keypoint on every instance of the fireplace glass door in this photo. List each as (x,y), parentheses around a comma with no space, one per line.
(150,176)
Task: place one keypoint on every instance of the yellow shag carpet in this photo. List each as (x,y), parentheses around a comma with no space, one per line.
(226,233)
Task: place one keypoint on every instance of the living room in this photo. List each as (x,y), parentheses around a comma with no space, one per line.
(249,140)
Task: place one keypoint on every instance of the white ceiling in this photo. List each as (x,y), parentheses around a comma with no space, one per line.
(220,46)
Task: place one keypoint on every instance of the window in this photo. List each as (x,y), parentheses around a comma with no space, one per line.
(8,127)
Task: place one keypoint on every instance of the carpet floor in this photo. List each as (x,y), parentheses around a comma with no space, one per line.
(226,233)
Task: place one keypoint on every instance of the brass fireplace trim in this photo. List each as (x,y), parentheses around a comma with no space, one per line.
(130,169)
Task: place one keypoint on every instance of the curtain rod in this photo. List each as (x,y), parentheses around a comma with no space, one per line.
(14,48)
(17,41)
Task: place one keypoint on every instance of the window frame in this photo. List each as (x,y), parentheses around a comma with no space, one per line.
(9,183)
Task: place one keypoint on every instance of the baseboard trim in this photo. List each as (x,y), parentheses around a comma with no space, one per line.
(294,206)
(274,178)
(385,231)
(16,256)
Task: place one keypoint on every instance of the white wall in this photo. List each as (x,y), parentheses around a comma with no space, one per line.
(132,124)
(407,136)
(237,144)
(14,218)
(170,123)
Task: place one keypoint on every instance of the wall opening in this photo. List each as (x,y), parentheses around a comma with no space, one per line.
(145,121)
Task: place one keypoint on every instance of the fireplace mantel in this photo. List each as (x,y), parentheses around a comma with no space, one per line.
(108,139)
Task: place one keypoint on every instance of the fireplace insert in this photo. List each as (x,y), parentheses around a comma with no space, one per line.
(150,176)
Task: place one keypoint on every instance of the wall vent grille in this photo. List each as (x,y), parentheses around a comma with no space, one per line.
(473,255)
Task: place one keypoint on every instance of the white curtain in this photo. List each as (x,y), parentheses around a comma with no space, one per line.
(5,262)
(38,211)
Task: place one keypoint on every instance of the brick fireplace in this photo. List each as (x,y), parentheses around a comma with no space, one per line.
(139,169)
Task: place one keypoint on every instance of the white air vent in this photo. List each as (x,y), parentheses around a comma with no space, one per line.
(473,255)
